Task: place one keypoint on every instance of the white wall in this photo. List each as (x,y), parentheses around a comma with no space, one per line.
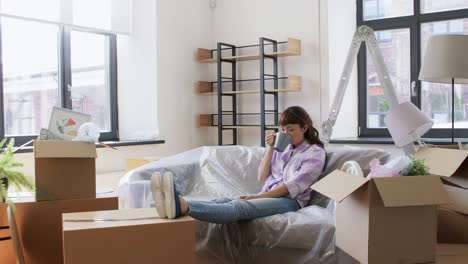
(338,23)
(242,22)
(137,79)
(157,73)
(182,27)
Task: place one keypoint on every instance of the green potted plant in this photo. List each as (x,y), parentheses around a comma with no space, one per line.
(8,175)
(419,168)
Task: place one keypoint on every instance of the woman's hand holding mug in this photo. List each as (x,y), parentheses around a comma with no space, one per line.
(270,140)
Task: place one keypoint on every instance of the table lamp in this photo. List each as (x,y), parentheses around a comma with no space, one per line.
(446,61)
(406,124)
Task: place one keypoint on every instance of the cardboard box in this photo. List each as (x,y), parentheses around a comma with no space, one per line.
(452,226)
(132,163)
(452,254)
(40,227)
(385,220)
(127,236)
(65,170)
(449,163)
(452,164)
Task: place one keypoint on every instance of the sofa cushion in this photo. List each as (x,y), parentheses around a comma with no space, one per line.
(338,155)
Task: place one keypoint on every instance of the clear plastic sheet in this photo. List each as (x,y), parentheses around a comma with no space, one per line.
(229,171)
(309,231)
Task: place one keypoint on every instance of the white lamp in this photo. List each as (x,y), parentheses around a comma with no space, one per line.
(406,123)
(446,61)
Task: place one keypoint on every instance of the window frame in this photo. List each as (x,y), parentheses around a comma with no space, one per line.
(413,23)
(65,79)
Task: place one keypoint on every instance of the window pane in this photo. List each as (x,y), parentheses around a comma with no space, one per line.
(430,6)
(395,47)
(30,75)
(376,9)
(436,98)
(90,76)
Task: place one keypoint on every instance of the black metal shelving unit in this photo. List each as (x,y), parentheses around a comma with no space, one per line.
(262,87)
(233,125)
(220,93)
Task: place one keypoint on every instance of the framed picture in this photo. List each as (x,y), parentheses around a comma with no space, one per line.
(64,123)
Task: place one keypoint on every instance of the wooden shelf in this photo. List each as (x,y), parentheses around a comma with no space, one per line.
(294,85)
(294,49)
(205,121)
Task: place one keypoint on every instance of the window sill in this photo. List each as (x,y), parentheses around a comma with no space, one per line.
(388,140)
(362,140)
(122,143)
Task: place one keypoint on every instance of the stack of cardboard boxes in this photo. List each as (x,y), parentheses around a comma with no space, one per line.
(65,177)
(401,219)
(67,223)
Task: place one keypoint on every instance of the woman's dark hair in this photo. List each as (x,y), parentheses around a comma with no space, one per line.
(297,115)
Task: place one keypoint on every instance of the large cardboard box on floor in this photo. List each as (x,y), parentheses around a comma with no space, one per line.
(452,226)
(65,170)
(452,254)
(452,223)
(452,164)
(127,236)
(385,220)
(40,226)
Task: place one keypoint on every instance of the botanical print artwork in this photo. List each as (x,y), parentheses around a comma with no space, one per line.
(65,123)
(62,124)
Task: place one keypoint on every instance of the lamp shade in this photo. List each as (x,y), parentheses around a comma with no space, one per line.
(446,57)
(406,123)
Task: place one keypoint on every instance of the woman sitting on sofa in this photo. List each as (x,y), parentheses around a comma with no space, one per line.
(287,177)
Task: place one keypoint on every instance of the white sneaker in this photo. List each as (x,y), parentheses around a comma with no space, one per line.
(171,196)
(156,184)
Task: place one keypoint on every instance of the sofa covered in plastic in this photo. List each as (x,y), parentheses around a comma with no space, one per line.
(304,236)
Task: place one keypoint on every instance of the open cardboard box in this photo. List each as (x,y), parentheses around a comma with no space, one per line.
(452,164)
(385,220)
(449,163)
(64,170)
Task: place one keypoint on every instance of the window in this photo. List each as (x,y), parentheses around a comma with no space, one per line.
(378,9)
(46,65)
(403,29)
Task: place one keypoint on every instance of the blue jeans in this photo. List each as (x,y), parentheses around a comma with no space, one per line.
(228,210)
